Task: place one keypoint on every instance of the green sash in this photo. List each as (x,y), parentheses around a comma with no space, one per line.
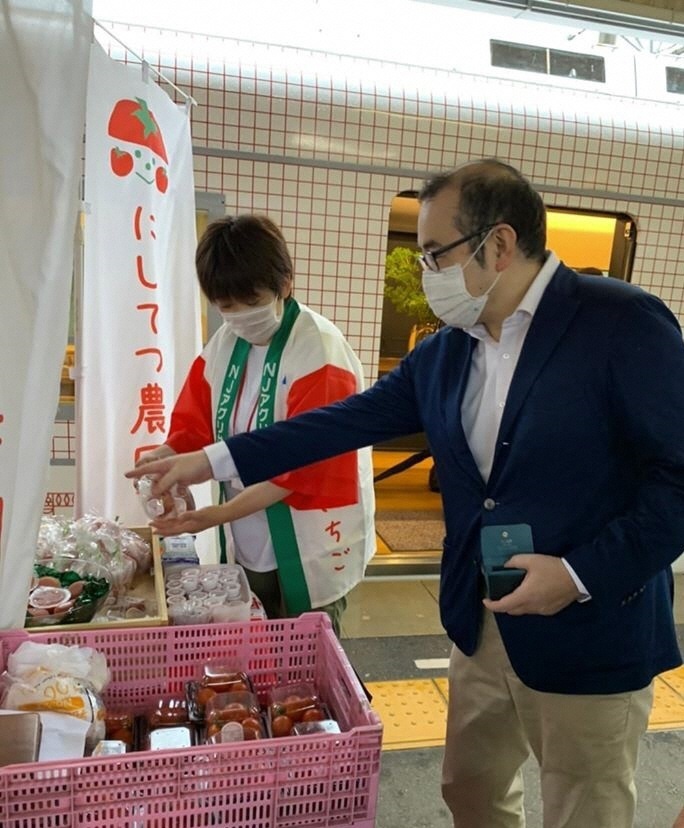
(290,571)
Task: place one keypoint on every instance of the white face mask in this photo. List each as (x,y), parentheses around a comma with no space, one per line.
(256,325)
(448,295)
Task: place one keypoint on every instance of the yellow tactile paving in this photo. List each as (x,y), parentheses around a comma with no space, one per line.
(668,701)
(443,687)
(675,679)
(413,711)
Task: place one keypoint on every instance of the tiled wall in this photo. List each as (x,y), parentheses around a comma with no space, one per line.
(323,143)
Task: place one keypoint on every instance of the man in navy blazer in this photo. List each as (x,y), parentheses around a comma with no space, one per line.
(549,400)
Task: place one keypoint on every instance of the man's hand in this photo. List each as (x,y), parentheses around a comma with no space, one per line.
(185,469)
(155,454)
(546,589)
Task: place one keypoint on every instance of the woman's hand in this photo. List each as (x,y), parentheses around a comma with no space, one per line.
(253,499)
(192,522)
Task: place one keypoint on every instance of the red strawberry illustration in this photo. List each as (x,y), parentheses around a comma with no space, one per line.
(133,121)
(121,161)
(162,179)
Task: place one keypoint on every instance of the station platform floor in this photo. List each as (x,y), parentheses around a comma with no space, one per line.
(392,635)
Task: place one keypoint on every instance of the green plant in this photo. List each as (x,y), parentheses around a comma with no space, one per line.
(403,285)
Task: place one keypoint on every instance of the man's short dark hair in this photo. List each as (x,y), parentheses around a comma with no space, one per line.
(492,192)
(238,256)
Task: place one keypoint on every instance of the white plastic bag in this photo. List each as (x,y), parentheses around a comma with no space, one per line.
(77,662)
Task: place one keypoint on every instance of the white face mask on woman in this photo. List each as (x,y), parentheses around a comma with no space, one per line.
(257,325)
(448,295)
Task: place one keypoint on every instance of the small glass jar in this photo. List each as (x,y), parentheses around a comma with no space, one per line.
(209,580)
(190,580)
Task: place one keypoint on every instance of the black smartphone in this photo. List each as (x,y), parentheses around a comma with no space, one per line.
(499,581)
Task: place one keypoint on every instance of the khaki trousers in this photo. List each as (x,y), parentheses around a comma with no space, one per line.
(586,746)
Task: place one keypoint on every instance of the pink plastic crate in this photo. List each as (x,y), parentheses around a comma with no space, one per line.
(314,781)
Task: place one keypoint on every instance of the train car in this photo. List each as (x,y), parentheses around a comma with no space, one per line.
(334,149)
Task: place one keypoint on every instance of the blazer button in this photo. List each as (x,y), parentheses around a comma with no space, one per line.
(489,504)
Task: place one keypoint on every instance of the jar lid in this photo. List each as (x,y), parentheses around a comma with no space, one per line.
(46,597)
(233,591)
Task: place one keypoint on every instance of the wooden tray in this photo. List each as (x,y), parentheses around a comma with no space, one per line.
(149,587)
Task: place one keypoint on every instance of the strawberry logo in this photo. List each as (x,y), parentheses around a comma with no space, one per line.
(132,121)
(120,161)
(162,179)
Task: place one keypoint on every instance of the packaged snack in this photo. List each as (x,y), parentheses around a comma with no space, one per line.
(216,678)
(230,732)
(119,727)
(281,725)
(170,504)
(168,710)
(323,726)
(197,697)
(179,552)
(249,728)
(166,738)
(66,591)
(292,700)
(223,679)
(217,592)
(110,747)
(231,707)
(58,679)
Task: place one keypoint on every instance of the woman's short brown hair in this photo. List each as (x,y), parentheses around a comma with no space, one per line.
(240,255)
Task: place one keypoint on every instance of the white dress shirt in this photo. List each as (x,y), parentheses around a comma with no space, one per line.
(492,368)
(491,371)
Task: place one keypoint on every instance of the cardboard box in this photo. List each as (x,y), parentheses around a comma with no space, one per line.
(19,737)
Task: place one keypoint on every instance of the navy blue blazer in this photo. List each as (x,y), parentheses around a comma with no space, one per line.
(590,453)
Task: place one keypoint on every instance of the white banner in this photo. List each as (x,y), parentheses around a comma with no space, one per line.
(41,136)
(140,320)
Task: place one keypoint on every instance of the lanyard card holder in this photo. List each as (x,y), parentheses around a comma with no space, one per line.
(498,544)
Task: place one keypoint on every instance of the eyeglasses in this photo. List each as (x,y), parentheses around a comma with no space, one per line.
(428,260)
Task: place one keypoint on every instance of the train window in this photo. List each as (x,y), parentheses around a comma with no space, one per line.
(547,61)
(595,242)
(573,65)
(674,78)
(518,56)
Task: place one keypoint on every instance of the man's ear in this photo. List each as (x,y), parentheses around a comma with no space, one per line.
(505,246)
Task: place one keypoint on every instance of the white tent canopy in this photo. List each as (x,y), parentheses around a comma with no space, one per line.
(41,134)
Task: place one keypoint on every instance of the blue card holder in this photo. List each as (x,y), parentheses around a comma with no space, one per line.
(497,545)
